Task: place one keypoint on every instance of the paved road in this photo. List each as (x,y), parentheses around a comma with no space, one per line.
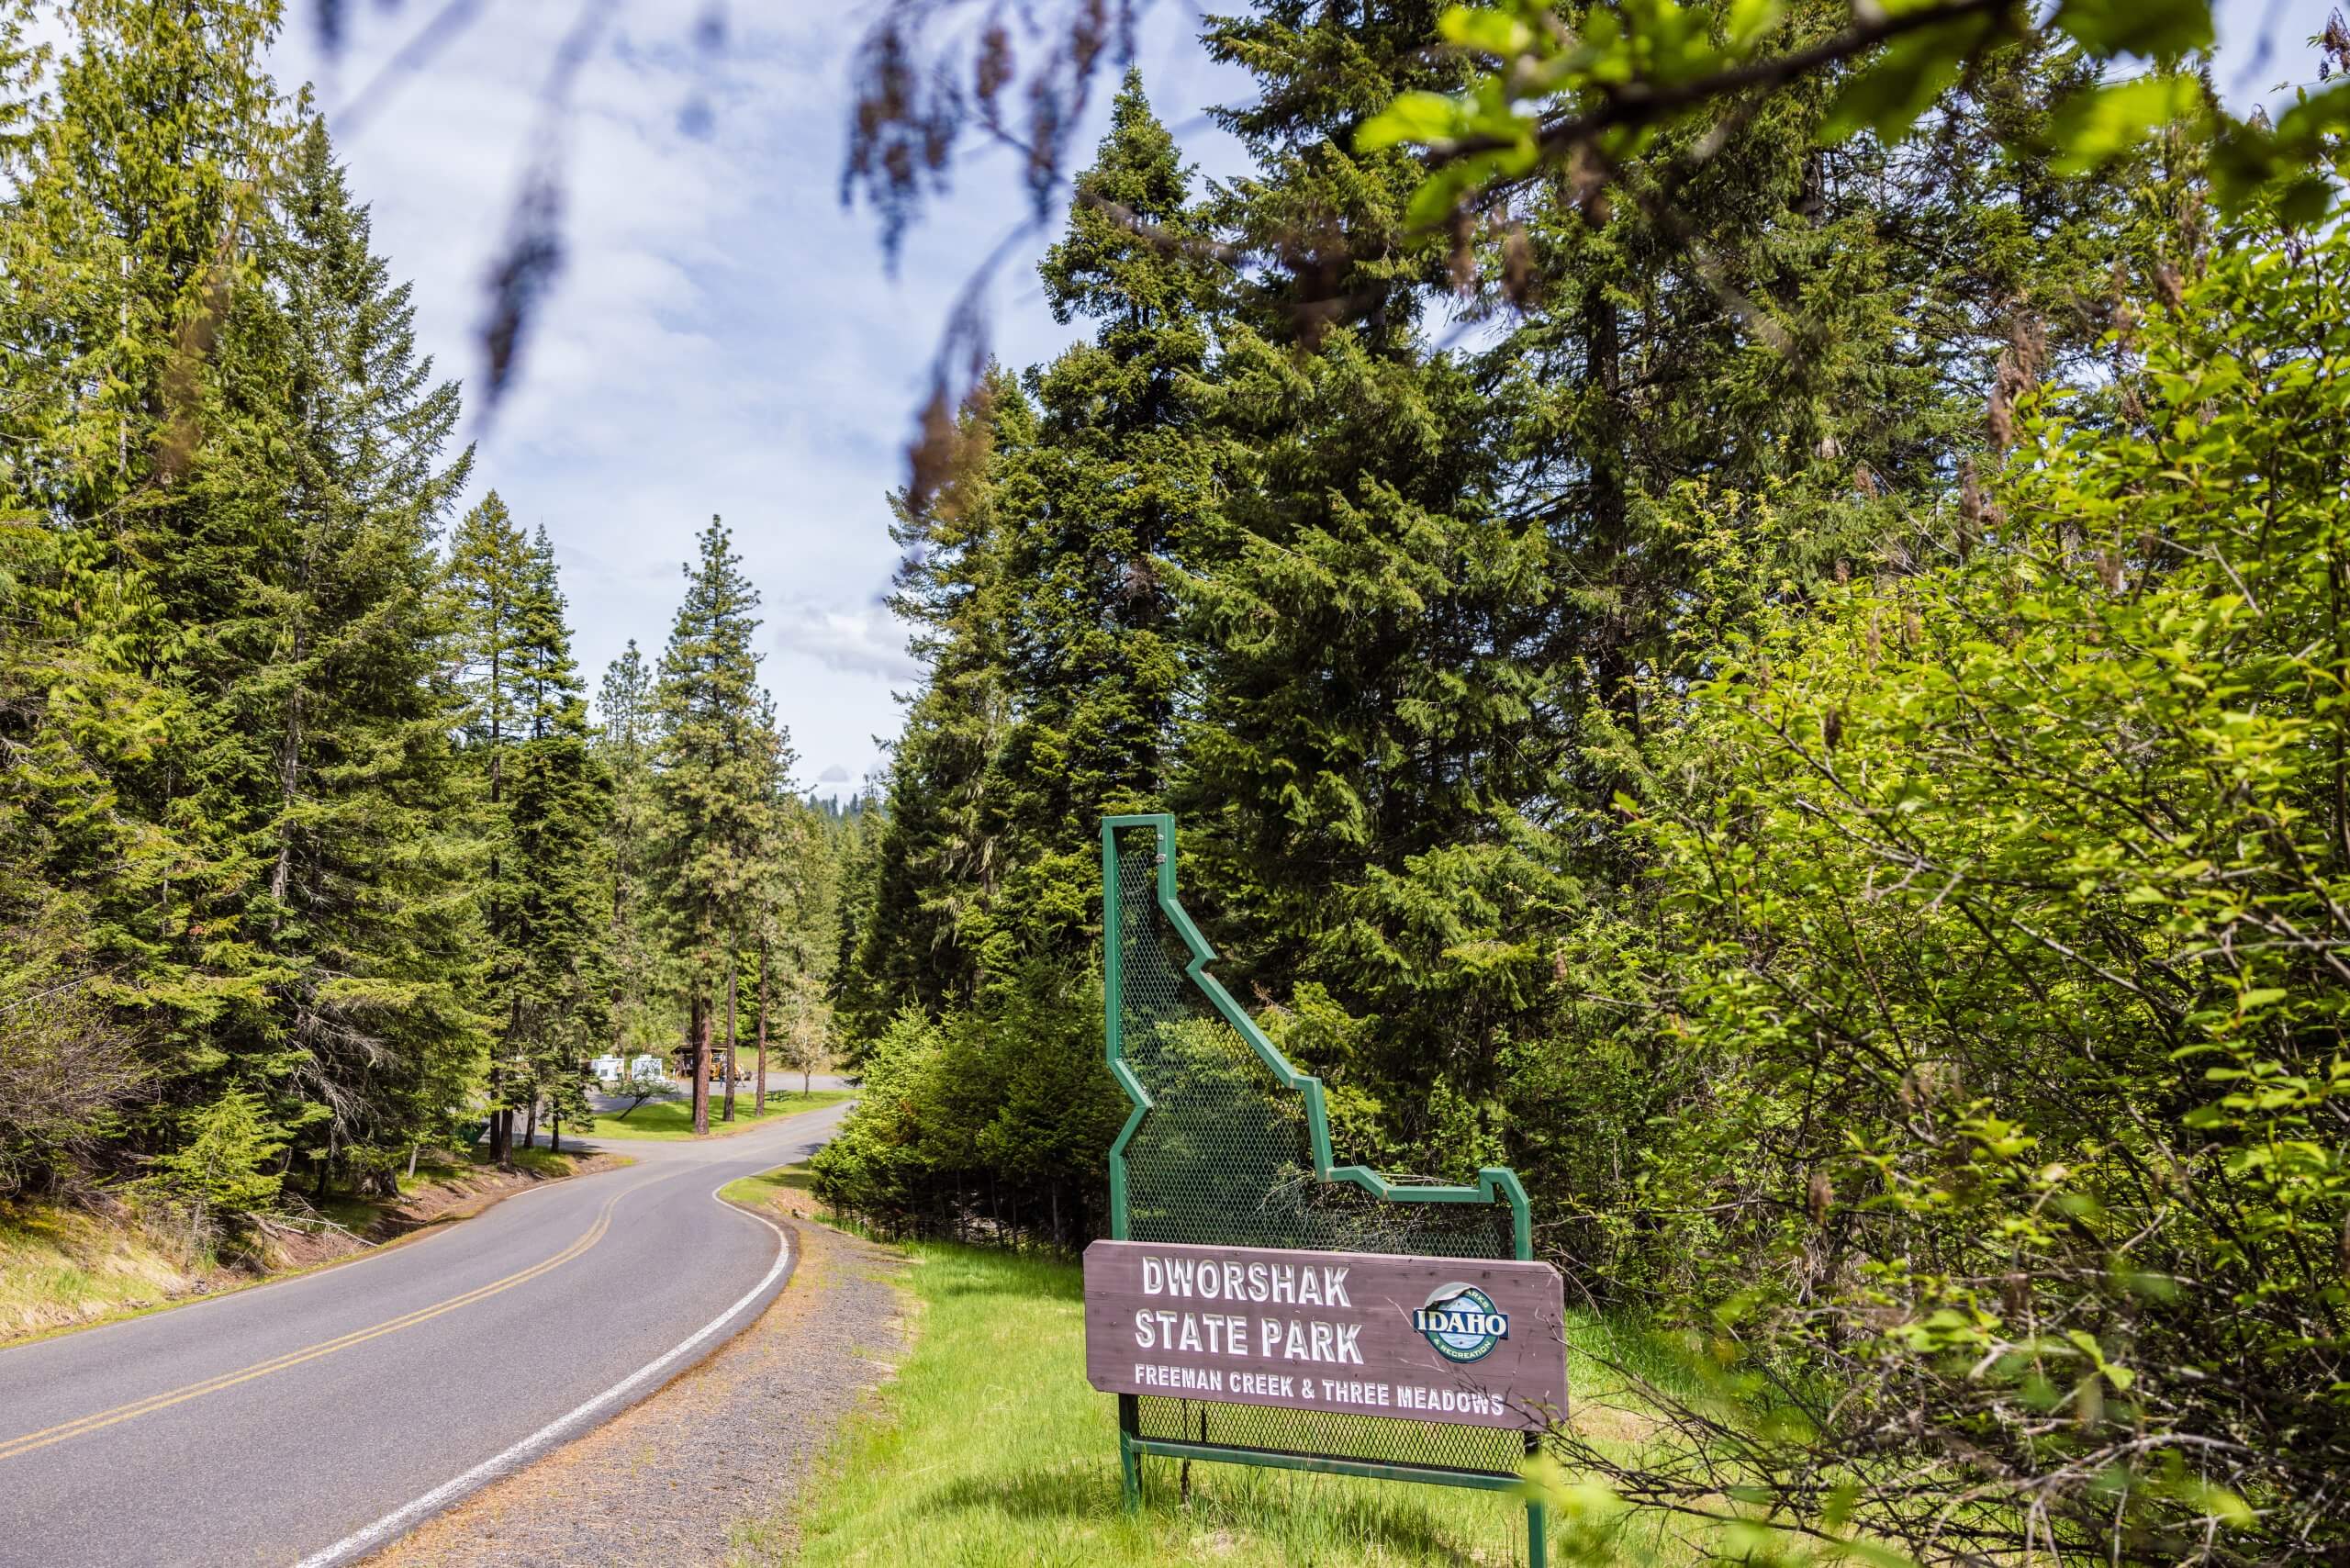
(271,1425)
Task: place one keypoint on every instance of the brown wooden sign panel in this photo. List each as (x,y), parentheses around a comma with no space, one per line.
(1468,1341)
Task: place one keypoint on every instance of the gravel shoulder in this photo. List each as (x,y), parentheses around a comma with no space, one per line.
(666,1482)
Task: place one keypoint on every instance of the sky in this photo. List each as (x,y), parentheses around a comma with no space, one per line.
(725,337)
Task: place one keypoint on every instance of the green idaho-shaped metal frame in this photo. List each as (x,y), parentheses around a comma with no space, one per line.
(1493,1184)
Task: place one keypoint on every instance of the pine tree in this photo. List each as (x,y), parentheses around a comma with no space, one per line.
(1040,577)
(555,861)
(1365,620)
(331,646)
(712,787)
(626,739)
(936,862)
(1439,583)
(1093,511)
(493,588)
(129,227)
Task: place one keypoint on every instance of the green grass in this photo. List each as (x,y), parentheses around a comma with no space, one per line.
(60,1266)
(989,1449)
(757,1189)
(675,1118)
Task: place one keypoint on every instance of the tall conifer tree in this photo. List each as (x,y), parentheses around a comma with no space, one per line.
(712,785)
(491,588)
(626,739)
(129,227)
(335,702)
(557,866)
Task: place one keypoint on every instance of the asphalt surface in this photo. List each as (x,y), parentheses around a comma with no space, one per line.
(268,1426)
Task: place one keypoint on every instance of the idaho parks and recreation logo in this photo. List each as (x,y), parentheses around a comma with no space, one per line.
(1462,1322)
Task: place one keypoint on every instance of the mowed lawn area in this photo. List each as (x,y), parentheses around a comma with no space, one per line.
(989,1449)
(675,1118)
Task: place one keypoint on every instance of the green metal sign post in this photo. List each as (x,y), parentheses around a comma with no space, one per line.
(1229,1145)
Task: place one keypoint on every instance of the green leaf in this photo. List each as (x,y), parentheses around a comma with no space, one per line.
(2095,125)
(1415,117)
(2156,29)
(1434,200)
(1489,32)
(1749,21)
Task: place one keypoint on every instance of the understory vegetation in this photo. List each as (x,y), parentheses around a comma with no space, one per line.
(1783,674)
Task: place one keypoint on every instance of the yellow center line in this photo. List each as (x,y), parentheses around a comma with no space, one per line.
(13,1447)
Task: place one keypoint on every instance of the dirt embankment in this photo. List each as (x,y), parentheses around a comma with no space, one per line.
(64,1266)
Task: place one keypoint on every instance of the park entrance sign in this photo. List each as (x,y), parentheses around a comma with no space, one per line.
(1353,1333)
(1260,1303)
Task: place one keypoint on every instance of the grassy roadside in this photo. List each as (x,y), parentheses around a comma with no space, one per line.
(989,1449)
(770,1188)
(65,1267)
(675,1118)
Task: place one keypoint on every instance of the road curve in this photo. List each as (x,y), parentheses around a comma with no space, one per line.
(283,1423)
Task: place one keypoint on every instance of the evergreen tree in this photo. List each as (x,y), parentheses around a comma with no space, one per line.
(556,862)
(935,863)
(1040,578)
(335,696)
(129,229)
(1093,511)
(543,798)
(626,741)
(712,787)
(1366,618)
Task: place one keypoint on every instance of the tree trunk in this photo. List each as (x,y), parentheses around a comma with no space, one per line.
(288,771)
(531,1125)
(554,1133)
(1614,662)
(702,1062)
(734,984)
(760,1093)
(500,1151)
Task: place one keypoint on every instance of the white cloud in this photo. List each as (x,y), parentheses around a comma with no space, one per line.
(859,640)
(836,774)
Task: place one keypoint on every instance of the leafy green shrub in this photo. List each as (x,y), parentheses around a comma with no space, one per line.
(1995,964)
(995,1120)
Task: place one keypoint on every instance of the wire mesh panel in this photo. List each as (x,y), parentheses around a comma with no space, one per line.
(1230,1146)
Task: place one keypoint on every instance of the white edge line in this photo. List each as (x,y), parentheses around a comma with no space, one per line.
(401,1519)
